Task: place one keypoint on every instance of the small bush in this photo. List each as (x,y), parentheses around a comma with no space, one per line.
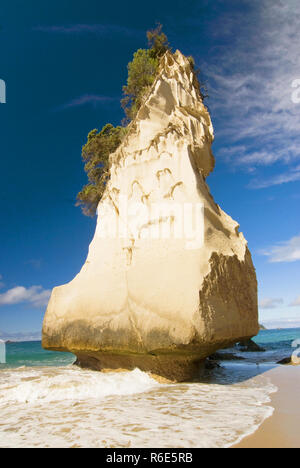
(142,71)
(141,74)
(95,154)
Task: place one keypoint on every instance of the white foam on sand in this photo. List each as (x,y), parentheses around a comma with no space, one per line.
(67,407)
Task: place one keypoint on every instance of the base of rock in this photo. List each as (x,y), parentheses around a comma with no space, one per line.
(170,367)
(225,357)
(250,346)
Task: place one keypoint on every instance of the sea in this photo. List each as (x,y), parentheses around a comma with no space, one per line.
(46,401)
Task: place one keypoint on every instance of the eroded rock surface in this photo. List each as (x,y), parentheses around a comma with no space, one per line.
(155,293)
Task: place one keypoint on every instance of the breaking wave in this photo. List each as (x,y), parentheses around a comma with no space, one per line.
(70,407)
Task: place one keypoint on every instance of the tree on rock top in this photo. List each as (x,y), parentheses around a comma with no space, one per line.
(157,42)
(95,153)
(142,71)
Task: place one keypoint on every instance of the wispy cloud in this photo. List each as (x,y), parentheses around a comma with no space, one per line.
(288,322)
(35,295)
(87,99)
(269,303)
(296,302)
(21,336)
(1,282)
(35,263)
(98,29)
(287,251)
(292,175)
(250,83)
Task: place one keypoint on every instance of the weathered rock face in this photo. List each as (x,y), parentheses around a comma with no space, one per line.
(168,279)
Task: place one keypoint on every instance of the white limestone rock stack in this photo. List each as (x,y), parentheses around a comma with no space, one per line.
(157,291)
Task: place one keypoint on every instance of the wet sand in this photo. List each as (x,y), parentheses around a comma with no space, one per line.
(281,430)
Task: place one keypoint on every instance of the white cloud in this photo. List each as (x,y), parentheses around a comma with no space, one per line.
(296,302)
(98,29)
(291,175)
(250,84)
(269,303)
(288,251)
(288,322)
(21,336)
(34,295)
(88,99)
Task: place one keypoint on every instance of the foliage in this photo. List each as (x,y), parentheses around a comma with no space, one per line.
(95,154)
(157,42)
(198,83)
(142,71)
(141,74)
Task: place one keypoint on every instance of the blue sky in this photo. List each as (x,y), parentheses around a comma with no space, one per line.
(64,64)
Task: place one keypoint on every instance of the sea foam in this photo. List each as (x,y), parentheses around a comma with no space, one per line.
(69,407)
(67,384)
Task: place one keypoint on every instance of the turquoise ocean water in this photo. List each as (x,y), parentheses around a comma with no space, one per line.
(45,401)
(31,354)
(277,344)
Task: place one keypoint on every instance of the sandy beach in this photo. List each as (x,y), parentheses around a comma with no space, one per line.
(281,430)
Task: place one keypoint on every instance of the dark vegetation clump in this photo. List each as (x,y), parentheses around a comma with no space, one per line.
(142,72)
(95,154)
